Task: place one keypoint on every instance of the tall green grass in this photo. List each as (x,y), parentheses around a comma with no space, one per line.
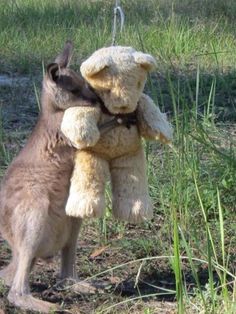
(179,33)
(199,197)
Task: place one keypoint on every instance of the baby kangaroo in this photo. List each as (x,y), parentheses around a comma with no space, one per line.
(35,188)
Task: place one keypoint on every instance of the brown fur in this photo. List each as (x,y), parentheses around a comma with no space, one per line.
(35,188)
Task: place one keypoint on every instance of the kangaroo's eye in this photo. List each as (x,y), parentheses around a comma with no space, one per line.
(75,91)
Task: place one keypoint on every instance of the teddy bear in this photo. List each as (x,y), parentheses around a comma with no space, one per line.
(117,75)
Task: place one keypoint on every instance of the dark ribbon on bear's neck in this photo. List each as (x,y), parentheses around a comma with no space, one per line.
(127,120)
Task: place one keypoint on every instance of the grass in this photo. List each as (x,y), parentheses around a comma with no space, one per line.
(186,255)
(179,33)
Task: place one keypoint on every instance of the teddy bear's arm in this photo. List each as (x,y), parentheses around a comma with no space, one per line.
(79,125)
(152,123)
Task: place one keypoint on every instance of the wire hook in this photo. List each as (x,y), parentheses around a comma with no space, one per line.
(117,11)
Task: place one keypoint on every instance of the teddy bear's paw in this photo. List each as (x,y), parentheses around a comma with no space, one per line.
(87,137)
(85,206)
(133,210)
(82,136)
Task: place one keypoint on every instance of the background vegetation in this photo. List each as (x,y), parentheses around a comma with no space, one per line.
(184,260)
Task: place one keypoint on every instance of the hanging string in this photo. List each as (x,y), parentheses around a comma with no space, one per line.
(118,12)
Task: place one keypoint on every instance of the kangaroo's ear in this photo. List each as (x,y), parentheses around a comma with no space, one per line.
(63,59)
(67,80)
(53,71)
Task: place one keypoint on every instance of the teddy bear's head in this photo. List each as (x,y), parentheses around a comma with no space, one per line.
(118,75)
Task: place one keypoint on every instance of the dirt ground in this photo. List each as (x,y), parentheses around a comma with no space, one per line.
(113,287)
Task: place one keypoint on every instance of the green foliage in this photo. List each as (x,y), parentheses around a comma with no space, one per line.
(180,33)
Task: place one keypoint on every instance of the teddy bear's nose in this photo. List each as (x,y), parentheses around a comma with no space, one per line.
(121,107)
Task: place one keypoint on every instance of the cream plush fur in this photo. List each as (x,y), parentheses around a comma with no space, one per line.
(118,75)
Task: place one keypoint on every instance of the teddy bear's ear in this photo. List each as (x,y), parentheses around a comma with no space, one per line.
(63,59)
(145,60)
(92,66)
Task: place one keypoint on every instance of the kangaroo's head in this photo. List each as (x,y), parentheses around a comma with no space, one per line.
(63,87)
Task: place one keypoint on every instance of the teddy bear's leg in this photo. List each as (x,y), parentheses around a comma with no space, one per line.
(86,197)
(131,201)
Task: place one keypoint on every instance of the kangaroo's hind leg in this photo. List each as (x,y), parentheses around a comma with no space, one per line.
(68,261)
(19,293)
(68,253)
(32,238)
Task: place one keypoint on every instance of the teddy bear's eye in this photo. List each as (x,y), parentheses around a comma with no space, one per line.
(139,84)
(108,91)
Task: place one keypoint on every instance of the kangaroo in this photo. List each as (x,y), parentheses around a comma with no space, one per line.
(35,188)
